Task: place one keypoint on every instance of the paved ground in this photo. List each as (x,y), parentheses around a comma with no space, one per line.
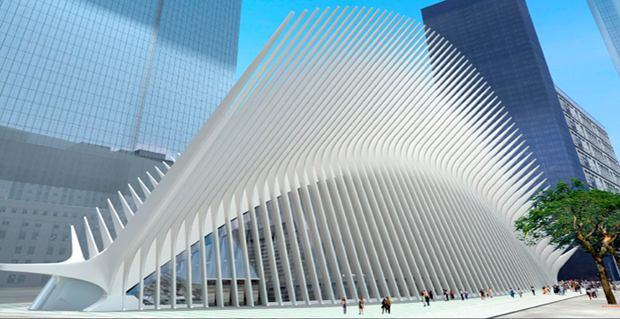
(580,307)
(571,305)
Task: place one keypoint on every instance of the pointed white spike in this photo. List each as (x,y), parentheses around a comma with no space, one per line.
(126,208)
(116,220)
(152,180)
(136,198)
(90,240)
(145,189)
(103,228)
(173,159)
(159,172)
(167,166)
(76,251)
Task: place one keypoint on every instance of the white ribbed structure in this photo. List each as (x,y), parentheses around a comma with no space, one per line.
(357,169)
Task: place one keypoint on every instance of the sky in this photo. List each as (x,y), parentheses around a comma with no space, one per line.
(574,49)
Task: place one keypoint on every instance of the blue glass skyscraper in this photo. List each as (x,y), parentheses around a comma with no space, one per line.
(498,38)
(93,93)
(607,16)
(121,74)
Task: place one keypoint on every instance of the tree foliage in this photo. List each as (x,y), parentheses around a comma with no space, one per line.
(573,215)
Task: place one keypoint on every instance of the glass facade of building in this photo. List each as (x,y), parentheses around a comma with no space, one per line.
(498,38)
(597,156)
(607,16)
(600,165)
(93,93)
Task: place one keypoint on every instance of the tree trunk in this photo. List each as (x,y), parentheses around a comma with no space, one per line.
(602,273)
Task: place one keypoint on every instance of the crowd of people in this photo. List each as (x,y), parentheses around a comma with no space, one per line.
(590,287)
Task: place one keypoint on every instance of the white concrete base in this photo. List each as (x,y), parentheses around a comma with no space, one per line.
(472,308)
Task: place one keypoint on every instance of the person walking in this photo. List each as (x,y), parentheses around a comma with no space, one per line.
(490,293)
(423,297)
(533,291)
(461,293)
(481,293)
(430,293)
(343,303)
(512,293)
(466,294)
(383,305)
(389,305)
(520,292)
(360,305)
(427,299)
(445,295)
(451,294)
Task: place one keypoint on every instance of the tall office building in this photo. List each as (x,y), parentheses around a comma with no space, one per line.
(607,16)
(499,38)
(601,168)
(597,156)
(93,93)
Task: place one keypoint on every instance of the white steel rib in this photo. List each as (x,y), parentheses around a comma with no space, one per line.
(359,155)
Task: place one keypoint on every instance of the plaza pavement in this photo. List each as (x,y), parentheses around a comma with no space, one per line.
(549,306)
(580,307)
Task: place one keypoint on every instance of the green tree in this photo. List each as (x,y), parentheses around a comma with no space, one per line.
(573,215)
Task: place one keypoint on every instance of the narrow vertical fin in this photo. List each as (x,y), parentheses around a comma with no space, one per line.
(76,251)
(145,189)
(152,180)
(116,220)
(103,228)
(136,198)
(90,240)
(126,208)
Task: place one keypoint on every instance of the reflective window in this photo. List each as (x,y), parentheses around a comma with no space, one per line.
(91,97)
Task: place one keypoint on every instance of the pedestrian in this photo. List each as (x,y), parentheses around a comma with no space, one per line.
(343,303)
(481,293)
(427,299)
(430,294)
(490,293)
(383,306)
(423,297)
(512,293)
(520,292)
(461,293)
(360,305)
(589,292)
(389,305)
(451,294)
(466,294)
(445,295)
(533,291)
